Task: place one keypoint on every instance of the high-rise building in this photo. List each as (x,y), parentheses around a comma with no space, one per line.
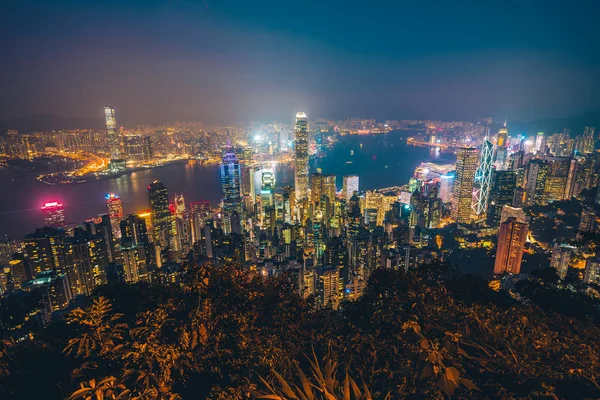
(232,188)
(87,259)
(513,212)
(501,149)
(536,182)
(133,228)
(350,186)
(54,214)
(511,243)
(45,250)
(559,178)
(160,213)
(201,213)
(446,185)
(587,222)
(588,142)
(502,193)
(248,186)
(483,179)
(117,163)
(592,271)
(462,193)
(115,213)
(540,143)
(561,258)
(329,286)
(134,148)
(301,159)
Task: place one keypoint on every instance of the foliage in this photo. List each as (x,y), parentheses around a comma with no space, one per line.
(228,334)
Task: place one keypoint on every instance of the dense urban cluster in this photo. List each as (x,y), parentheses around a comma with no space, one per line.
(497,197)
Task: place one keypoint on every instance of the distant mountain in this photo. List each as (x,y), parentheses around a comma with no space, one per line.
(48,122)
(555,125)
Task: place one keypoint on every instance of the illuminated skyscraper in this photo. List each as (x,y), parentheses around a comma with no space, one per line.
(54,214)
(160,213)
(561,258)
(87,259)
(559,178)
(483,179)
(501,149)
(115,213)
(502,193)
(301,159)
(588,140)
(446,184)
(540,143)
(592,271)
(462,194)
(535,182)
(114,144)
(232,190)
(201,213)
(587,222)
(511,243)
(350,186)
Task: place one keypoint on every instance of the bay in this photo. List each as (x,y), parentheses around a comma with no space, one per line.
(379,161)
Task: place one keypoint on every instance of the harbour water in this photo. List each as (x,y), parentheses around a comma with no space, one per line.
(379,161)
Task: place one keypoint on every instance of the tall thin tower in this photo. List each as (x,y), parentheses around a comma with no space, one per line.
(301,145)
(111,132)
(232,188)
(483,179)
(462,192)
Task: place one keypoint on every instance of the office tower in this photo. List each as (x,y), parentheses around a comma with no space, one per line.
(232,188)
(201,213)
(446,184)
(511,243)
(87,259)
(19,272)
(284,140)
(301,159)
(316,187)
(587,222)
(425,210)
(502,193)
(160,213)
(54,214)
(559,178)
(133,229)
(350,186)
(483,179)
(501,148)
(462,193)
(536,182)
(267,197)
(54,290)
(588,142)
(248,188)
(288,205)
(592,271)
(540,143)
(115,213)
(147,148)
(561,258)
(111,133)
(329,286)
(45,250)
(134,261)
(134,147)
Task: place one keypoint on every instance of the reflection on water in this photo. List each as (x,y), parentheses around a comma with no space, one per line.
(22,197)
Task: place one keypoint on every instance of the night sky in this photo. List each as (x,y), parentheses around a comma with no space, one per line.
(233,60)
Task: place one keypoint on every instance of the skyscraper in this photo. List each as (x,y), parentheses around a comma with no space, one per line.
(111,133)
(559,178)
(561,258)
(231,186)
(54,214)
(535,182)
(115,213)
(446,184)
(160,213)
(350,186)
(483,179)
(466,166)
(501,150)
(540,143)
(592,271)
(502,193)
(511,243)
(301,159)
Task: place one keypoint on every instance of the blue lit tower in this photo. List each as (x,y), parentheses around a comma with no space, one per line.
(231,186)
(483,178)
